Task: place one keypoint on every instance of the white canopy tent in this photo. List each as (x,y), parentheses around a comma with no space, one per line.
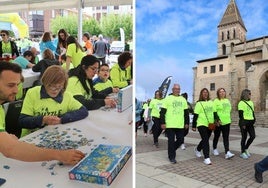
(9,6)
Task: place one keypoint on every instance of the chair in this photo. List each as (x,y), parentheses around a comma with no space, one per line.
(12,116)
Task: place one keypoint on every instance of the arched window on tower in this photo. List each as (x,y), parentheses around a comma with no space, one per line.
(228,35)
(223,49)
(222,35)
(234,34)
(232,47)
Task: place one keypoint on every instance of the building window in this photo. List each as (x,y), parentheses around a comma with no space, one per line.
(116,7)
(212,86)
(247,65)
(221,67)
(222,35)
(223,49)
(212,69)
(228,35)
(205,70)
(234,35)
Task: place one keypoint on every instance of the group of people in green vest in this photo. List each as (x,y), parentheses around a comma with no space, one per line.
(172,115)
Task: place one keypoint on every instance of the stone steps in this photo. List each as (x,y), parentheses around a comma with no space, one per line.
(261,119)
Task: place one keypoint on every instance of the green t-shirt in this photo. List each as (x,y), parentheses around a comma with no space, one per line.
(75,88)
(247,112)
(118,76)
(6,47)
(205,111)
(175,106)
(2,120)
(155,106)
(223,108)
(33,105)
(76,56)
(103,85)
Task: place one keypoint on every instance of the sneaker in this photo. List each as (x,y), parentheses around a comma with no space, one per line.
(183,146)
(247,152)
(156,144)
(244,155)
(258,175)
(229,155)
(173,161)
(215,152)
(197,153)
(207,161)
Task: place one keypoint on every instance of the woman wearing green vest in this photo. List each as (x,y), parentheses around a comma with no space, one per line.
(50,104)
(223,109)
(80,84)
(203,115)
(174,118)
(246,122)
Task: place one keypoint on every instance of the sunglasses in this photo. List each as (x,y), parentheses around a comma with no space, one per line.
(2,35)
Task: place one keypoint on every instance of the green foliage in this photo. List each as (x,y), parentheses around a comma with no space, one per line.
(92,26)
(69,23)
(109,26)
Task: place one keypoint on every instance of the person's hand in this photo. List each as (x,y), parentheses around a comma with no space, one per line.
(110,102)
(51,120)
(70,156)
(193,129)
(186,126)
(116,90)
(163,126)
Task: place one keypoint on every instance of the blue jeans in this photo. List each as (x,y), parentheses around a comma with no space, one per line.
(263,165)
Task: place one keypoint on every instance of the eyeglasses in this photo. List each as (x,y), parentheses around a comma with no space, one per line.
(55,88)
(94,69)
(2,35)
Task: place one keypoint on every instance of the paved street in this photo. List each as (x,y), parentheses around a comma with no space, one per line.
(153,169)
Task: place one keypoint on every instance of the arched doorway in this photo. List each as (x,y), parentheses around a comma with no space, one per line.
(264,91)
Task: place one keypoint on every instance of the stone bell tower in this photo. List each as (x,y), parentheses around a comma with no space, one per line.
(231,29)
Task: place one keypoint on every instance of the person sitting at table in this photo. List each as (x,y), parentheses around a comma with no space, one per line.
(42,65)
(102,82)
(10,146)
(50,104)
(81,86)
(120,72)
(25,61)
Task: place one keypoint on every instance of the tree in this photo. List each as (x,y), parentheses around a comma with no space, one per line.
(111,24)
(92,26)
(69,23)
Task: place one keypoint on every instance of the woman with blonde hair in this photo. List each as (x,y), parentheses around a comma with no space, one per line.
(50,104)
(223,109)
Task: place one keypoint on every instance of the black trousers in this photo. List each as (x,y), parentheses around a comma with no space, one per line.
(225,130)
(205,134)
(245,130)
(156,129)
(173,144)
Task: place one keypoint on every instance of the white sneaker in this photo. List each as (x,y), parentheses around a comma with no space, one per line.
(229,155)
(207,161)
(197,153)
(183,146)
(215,152)
(247,152)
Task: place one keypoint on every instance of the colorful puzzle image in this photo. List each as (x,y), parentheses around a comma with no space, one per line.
(65,139)
(102,165)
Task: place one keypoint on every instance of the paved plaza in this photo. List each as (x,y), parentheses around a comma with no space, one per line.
(153,169)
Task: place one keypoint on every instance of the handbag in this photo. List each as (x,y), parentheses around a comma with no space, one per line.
(211,126)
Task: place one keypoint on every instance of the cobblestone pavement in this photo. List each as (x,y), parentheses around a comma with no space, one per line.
(153,169)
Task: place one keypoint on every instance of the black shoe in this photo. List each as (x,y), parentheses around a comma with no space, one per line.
(173,161)
(258,175)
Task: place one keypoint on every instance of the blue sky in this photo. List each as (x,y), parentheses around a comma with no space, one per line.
(172,35)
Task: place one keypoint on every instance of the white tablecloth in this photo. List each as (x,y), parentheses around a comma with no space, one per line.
(29,77)
(100,127)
